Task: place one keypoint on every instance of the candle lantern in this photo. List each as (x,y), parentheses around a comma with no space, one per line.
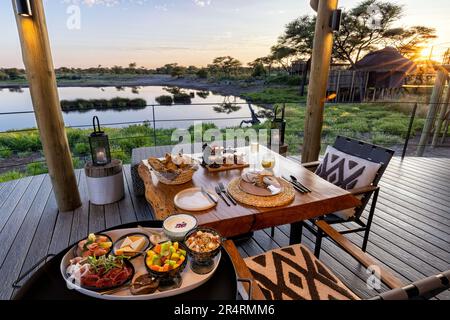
(99,142)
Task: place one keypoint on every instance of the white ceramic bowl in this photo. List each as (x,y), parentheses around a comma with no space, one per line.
(177,226)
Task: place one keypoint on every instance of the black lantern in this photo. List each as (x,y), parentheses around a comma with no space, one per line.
(99,142)
(23,8)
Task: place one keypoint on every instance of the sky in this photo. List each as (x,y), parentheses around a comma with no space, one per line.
(190,32)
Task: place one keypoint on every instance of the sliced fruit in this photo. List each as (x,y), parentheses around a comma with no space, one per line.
(105,245)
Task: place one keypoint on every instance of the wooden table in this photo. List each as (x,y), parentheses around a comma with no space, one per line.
(325,198)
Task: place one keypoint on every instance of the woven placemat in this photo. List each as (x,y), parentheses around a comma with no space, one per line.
(282,199)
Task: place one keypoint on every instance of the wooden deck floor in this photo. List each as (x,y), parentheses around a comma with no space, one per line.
(410,235)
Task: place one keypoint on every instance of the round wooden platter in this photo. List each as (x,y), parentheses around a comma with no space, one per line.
(252,189)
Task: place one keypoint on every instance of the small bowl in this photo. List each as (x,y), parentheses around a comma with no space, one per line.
(168,275)
(119,242)
(203,262)
(177,226)
(77,252)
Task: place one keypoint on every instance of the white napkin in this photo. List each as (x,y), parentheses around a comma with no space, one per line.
(272,183)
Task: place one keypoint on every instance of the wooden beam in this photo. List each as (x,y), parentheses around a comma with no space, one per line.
(441,119)
(38,62)
(438,89)
(320,68)
(387,277)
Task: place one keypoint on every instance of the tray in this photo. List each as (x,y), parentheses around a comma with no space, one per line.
(228,167)
(191,280)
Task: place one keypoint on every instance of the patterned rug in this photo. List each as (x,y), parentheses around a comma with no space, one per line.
(294,273)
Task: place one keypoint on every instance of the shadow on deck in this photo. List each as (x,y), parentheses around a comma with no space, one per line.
(410,234)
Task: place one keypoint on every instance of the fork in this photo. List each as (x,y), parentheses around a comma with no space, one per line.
(221,196)
(225,192)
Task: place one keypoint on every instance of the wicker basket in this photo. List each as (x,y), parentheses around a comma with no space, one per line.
(173,179)
(182,177)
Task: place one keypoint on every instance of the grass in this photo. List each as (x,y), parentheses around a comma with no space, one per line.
(276,95)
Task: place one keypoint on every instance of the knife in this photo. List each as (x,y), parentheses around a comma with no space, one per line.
(295,180)
(206,193)
(296,187)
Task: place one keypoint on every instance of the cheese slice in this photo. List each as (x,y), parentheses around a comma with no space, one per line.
(126,243)
(125,251)
(138,244)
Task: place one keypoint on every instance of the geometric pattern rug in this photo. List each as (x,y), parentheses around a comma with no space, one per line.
(294,273)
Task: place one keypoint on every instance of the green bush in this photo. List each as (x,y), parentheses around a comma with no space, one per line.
(11,175)
(258,71)
(36,168)
(5,153)
(182,98)
(81,148)
(164,100)
(285,80)
(102,104)
(202,73)
(3,76)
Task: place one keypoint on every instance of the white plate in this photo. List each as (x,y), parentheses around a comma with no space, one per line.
(191,280)
(194,200)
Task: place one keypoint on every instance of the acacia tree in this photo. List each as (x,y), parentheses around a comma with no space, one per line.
(368,26)
(226,64)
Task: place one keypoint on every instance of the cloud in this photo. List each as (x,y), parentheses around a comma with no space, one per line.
(202,3)
(108,3)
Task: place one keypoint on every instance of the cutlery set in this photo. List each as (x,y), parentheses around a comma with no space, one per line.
(297,184)
(222,192)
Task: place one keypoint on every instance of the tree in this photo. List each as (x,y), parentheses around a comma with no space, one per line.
(368,26)
(132,65)
(258,70)
(412,41)
(202,73)
(3,76)
(299,35)
(284,56)
(226,64)
(267,62)
(178,72)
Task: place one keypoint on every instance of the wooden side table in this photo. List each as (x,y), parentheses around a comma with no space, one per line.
(105,183)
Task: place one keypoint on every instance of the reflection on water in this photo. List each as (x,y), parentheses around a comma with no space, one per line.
(227,106)
(218,110)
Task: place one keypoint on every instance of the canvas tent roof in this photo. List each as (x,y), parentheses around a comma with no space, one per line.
(385,60)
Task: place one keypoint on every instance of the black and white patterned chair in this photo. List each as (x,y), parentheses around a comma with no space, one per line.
(357,167)
(294,273)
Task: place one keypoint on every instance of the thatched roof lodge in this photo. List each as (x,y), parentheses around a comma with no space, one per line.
(387,68)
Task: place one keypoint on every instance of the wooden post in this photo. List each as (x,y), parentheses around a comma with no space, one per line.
(320,68)
(441,119)
(38,62)
(432,110)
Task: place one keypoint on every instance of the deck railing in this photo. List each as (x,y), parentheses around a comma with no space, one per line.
(21,152)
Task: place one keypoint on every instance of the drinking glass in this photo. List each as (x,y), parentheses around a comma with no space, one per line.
(254,150)
(268,162)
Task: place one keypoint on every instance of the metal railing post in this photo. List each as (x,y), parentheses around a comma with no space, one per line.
(408,135)
(154,125)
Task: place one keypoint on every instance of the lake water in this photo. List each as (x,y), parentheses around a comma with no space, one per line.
(166,116)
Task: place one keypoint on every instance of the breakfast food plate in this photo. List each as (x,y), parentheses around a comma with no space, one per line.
(125,274)
(193,199)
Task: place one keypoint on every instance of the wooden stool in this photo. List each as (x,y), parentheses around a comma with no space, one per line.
(105,183)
